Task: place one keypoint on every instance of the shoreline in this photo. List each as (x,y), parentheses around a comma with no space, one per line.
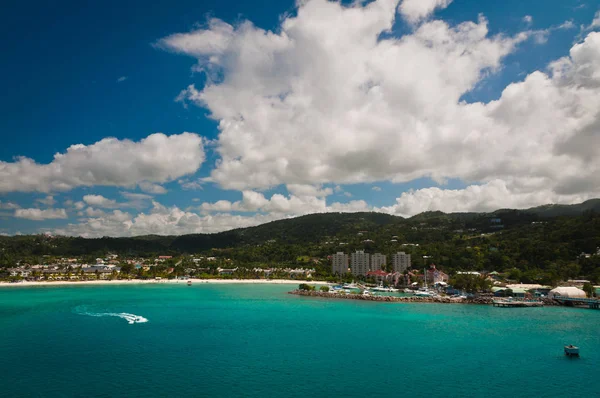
(162,281)
(407,299)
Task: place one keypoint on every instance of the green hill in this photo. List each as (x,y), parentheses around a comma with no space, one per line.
(548,238)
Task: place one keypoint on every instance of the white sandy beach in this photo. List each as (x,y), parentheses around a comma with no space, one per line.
(163,281)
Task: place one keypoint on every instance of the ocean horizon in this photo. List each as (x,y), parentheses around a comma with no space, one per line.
(257,340)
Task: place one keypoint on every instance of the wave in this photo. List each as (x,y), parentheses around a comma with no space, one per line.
(130,318)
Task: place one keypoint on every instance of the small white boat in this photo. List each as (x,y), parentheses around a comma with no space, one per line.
(380,288)
(420,293)
(189,283)
(571,350)
(407,290)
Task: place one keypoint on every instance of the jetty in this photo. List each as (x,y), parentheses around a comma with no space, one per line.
(578,301)
(516,304)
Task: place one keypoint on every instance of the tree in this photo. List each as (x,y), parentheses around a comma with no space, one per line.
(588,289)
(324,289)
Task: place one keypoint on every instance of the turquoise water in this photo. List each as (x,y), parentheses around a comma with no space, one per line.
(258,341)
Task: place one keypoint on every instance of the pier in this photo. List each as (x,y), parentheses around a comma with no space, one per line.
(515,304)
(578,301)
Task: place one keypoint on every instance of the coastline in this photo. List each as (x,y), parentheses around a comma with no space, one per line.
(408,299)
(162,281)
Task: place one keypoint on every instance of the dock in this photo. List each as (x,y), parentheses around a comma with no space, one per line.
(516,304)
(578,301)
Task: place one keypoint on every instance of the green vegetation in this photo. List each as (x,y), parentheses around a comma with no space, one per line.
(539,245)
(470,283)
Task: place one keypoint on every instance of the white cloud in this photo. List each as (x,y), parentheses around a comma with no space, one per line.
(121,79)
(308,190)
(38,214)
(151,188)
(528,19)
(491,196)
(156,159)
(376,189)
(91,212)
(324,99)
(8,205)
(48,200)
(291,205)
(100,201)
(358,124)
(136,196)
(596,21)
(162,220)
(191,185)
(79,205)
(415,10)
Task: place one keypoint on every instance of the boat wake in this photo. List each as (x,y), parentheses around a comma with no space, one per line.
(130,318)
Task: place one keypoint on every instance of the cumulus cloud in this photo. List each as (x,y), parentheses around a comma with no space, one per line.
(488,197)
(162,220)
(48,200)
(38,214)
(100,201)
(291,205)
(416,10)
(121,79)
(325,99)
(376,189)
(152,188)
(157,158)
(528,19)
(8,205)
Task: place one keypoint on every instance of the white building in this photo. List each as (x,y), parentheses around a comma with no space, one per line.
(339,263)
(378,260)
(360,263)
(401,262)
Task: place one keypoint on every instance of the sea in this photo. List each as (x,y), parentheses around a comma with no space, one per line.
(245,340)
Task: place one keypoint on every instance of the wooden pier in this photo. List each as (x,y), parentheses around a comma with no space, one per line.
(516,304)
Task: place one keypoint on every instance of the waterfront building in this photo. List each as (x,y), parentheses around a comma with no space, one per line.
(434,275)
(378,260)
(360,263)
(380,276)
(339,263)
(401,262)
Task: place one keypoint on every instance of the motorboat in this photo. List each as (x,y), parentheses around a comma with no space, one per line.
(381,288)
(425,293)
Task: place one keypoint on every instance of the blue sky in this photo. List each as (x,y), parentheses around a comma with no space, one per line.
(78,73)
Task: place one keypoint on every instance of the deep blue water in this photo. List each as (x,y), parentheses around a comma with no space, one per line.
(258,341)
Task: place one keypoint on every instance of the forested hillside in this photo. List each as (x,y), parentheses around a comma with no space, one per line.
(547,242)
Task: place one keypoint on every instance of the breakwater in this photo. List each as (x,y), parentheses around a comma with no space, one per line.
(408,299)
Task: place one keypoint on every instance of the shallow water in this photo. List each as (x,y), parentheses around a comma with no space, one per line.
(257,341)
